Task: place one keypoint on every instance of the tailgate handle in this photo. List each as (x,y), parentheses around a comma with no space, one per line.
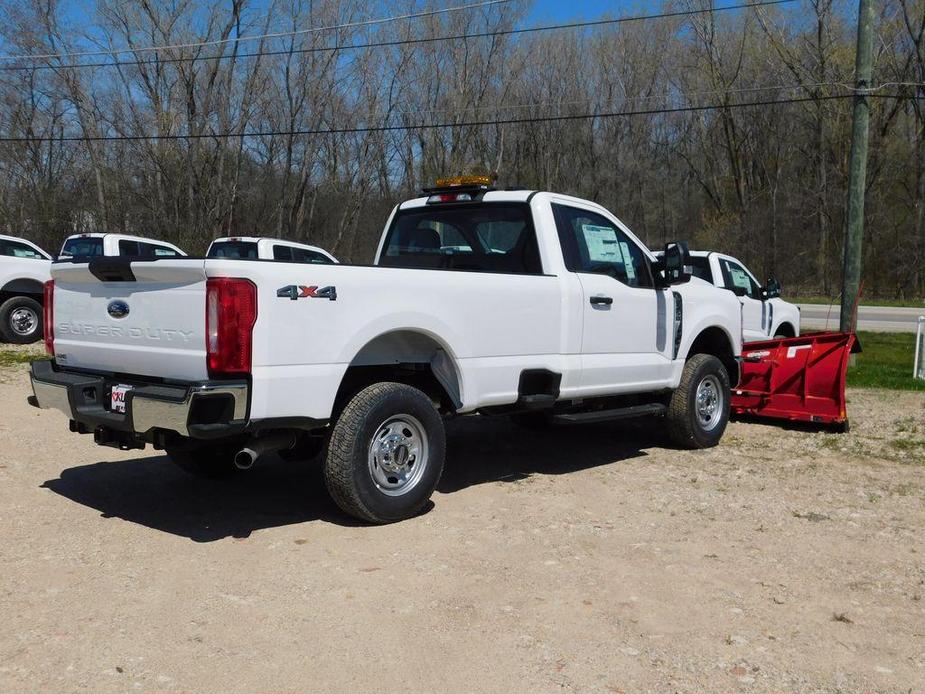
(112,269)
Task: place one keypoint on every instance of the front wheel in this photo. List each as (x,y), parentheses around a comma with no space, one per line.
(699,408)
(385,455)
(21,320)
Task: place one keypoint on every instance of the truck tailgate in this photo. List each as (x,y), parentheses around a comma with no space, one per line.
(145,318)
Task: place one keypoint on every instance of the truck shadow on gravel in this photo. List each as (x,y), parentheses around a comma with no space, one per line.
(492,449)
(153,492)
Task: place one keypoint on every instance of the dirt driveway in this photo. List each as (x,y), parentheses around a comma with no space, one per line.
(584,559)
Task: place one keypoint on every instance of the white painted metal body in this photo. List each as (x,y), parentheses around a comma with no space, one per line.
(18,273)
(480,330)
(918,368)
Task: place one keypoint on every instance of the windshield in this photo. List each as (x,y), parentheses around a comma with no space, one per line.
(486,237)
(82,247)
(233,249)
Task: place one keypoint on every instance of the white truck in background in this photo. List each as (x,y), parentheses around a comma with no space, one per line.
(268,248)
(531,304)
(95,245)
(24,269)
(764,313)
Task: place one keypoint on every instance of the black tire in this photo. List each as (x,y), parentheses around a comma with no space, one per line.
(206,460)
(21,320)
(351,467)
(686,421)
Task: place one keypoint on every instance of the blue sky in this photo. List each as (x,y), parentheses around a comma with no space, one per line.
(572,9)
(561,9)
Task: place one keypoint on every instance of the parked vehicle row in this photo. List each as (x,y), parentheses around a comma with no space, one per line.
(529,304)
(24,268)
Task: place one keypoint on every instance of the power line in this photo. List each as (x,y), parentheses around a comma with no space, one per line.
(437,126)
(648,97)
(389,43)
(274,35)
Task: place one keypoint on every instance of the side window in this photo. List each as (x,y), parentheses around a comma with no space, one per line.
(303,255)
(129,248)
(734,275)
(19,250)
(282,252)
(592,243)
(161,251)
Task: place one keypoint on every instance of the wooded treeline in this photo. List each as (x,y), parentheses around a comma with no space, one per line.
(766,183)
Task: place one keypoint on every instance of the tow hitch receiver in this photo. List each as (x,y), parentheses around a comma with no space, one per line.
(800,379)
(123,440)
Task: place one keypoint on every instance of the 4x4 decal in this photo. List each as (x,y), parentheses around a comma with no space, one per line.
(298,291)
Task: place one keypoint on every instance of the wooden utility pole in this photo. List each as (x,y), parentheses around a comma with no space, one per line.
(857,181)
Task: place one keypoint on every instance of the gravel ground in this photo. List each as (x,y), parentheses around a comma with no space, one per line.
(581,559)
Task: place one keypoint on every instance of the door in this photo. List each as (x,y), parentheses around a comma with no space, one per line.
(625,339)
(754,318)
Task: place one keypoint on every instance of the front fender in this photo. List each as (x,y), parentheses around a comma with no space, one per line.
(706,306)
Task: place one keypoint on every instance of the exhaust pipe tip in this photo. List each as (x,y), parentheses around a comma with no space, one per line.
(245,459)
(247,456)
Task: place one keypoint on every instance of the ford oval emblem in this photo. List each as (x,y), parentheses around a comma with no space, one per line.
(117,309)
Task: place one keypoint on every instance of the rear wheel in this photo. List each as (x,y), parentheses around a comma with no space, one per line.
(21,320)
(207,460)
(385,455)
(699,408)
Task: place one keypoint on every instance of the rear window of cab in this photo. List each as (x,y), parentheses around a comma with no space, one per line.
(89,247)
(233,249)
(482,237)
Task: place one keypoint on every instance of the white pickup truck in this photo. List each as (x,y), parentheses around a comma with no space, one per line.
(480,301)
(764,313)
(24,269)
(94,245)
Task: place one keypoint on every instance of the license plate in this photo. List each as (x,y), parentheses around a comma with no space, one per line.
(117,402)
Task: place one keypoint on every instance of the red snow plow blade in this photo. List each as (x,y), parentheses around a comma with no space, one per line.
(800,379)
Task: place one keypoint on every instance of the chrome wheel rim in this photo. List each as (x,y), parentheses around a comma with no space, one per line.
(709,402)
(398,455)
(24,321)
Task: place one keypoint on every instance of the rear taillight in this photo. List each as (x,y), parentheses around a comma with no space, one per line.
(231,311)
(48,317)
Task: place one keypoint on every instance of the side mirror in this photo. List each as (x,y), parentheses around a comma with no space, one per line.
(676,263)
(771,290)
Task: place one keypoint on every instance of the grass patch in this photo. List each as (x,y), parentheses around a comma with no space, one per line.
(886,362)
(9,357)
(908,444)
(825,301)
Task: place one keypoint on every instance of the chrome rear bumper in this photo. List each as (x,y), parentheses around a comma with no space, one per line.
(198,410)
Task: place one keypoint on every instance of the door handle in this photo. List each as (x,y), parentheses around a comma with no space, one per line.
(601,301)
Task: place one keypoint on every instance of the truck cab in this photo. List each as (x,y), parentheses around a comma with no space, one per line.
(267,248)
(113,245)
